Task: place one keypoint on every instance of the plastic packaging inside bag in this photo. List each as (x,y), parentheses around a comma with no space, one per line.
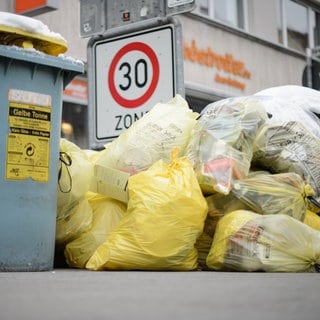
(221,144)
(164,218)
(247,241)
(290,147)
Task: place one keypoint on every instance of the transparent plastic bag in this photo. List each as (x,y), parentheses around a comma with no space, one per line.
(165,216)
(293,103)
(290,147)
(247,241)
(221,144)
(265,193)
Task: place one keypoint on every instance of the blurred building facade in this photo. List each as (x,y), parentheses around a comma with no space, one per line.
(230,48)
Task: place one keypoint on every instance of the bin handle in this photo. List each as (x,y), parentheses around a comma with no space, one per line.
(65,161)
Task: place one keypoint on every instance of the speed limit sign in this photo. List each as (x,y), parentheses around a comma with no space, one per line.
(131,73)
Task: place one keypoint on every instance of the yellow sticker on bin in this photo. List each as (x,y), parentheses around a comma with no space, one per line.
(28,142)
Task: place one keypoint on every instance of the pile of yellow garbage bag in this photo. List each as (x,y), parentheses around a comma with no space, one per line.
(231,188)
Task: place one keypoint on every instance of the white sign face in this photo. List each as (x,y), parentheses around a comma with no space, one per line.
(133,73)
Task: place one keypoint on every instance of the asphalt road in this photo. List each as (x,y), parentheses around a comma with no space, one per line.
(81,294)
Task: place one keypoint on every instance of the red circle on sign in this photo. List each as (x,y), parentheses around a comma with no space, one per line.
(133,103)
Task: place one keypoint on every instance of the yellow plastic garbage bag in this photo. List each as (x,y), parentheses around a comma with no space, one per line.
(151,138)
(107,213)
(165,216)
(72,221)
(247,241)
(74,214)
(75,172)
(312,219)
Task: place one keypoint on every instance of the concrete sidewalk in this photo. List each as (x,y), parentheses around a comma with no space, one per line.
(81,294)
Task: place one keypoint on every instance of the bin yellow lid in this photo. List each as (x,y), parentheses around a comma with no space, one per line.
(21,38)
(27,32)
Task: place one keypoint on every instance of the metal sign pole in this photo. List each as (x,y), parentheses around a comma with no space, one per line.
(309,67)
(98,16)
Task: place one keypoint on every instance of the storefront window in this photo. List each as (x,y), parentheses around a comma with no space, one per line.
(316,28)
(297,26)
(203,7)
(293,29)
(74,124)
(230,12)
(280,23)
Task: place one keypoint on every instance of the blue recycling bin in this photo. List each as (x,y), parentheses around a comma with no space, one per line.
(31,88)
